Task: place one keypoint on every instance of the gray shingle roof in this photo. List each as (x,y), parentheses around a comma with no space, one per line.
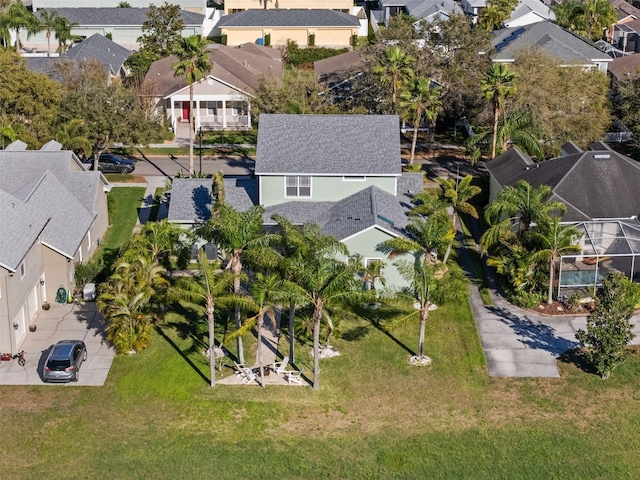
(594,184)
(328,144)
(21,226)
(241,67)
(100,48)
(558,42)
(191,198)
(288,18)
(117,16)
(332,70)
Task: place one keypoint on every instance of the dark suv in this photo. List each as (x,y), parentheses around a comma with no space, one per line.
(64,361)
(110,163)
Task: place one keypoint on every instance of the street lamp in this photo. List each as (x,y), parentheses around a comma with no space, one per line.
(200,137)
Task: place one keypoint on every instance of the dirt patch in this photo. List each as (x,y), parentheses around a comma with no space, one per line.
(556,308)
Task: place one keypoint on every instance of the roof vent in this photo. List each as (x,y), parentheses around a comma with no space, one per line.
(601,156)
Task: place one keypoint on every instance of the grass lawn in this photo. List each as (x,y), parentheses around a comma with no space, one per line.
(374,417)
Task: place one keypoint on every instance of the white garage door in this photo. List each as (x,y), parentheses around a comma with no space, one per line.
(33,304)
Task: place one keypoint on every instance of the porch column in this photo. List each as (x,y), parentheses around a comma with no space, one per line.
(173,113)
(249,115)
(197,114)
(224,114)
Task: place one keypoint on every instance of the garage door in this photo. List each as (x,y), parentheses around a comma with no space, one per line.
(32,303)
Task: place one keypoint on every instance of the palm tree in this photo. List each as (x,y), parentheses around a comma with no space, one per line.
(193,62)
(20,18)
(429,236)
(48,23)
(420,99)
(7,134)
(428,285)
(62,31)
(520,204)
(556,240)
(497,85)
(162,241)
(457,194)
(265,294)
(521,129)
(599,16)
(322,283)
(211,287)
(5,35)
(369,273)
(236,233)
(394,68)
(129,302)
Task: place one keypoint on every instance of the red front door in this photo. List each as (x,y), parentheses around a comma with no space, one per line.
(186,111)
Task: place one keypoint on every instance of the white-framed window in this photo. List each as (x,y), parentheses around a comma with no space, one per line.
(354,178)
(369,260)
(298,186)
(23,270)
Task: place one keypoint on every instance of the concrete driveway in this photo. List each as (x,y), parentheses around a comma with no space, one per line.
(77,321)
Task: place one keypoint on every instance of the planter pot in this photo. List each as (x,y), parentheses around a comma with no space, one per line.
(46,306)
(32,328)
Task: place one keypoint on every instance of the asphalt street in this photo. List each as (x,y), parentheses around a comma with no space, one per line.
(170,166)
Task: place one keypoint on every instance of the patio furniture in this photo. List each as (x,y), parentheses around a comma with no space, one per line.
(280,367)
(293,376)
(248,375)
(239,369)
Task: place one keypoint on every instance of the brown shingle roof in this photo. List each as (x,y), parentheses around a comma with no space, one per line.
(626,68)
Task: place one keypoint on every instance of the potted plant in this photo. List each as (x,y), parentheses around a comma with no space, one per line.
(46,305)
(32,328)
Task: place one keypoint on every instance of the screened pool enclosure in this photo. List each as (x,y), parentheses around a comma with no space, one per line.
(607,246)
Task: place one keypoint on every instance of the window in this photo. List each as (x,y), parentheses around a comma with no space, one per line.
(23,270)
(370,261)
(354,178)
(298,187)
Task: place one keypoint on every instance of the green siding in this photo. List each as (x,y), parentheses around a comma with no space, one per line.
(323,189)
(365,244)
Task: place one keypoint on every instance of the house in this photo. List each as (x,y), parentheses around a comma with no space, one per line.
(626,36)
(421,10)
(600,189)
(565,46)
(625,11)
(624,69)
(195,6)
(235,6)
(53,214)
(342,172)
(97,47)
(222,98)
(338,73)
(473,8)
(528,12)
(122,25)
(313,27)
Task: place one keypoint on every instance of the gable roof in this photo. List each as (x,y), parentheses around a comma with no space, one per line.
(288,18)
(526,7)
(21,226)
(624,9)
(329,69)
(626,67)
(558,42)
(599,183)
(328,145)
(117,16)
(240,67)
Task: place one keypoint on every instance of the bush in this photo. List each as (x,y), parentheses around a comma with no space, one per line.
(294,55)
(267,40)
(223,39)
(86,272)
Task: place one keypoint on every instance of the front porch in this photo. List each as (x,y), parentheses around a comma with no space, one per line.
(209,115)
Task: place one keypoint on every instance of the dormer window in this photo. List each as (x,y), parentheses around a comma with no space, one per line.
(298,187)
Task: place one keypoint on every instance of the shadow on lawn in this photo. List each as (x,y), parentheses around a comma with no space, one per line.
(377,318)
(578,358)
(183,355)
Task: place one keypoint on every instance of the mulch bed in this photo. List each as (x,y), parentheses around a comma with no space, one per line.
(558,309)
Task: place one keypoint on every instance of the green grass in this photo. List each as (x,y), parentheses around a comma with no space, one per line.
(206,152)
(374,417)
(120,177)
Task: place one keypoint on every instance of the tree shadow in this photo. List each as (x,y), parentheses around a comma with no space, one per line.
(183,355)
(377,318)
(537,336)
(578,358)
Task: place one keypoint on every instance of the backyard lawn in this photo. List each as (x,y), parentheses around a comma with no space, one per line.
(374,417)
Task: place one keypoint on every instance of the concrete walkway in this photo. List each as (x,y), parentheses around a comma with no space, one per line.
(76,321)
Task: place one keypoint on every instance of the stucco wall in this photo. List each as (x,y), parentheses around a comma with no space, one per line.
(57,275)
(325,37)
(323,189)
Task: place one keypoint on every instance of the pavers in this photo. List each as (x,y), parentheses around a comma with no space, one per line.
(77,321)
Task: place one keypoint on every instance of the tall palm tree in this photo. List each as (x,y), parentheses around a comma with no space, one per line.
(394,68)
(496,86)
(212,288)
(555,240)
(236,233)
(369,273)
(162,241)
(5,34)
(193,62)
(62,31)
(265,294)
(457,194)
(48,23)
(322,283)
(20,18)
(521,129)
(599,16)
(519,205)
(420,99)
(429,236)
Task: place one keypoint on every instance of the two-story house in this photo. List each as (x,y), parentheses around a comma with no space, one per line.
(53,214)
(342,172)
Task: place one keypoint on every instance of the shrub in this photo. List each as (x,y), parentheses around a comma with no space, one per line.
(223,39)
(294,55)
(86,272)
(267,40)
(311,41)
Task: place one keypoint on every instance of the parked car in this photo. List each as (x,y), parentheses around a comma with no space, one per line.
(111,163)
(64,361)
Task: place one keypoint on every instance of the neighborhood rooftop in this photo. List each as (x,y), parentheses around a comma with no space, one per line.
(328,144)
(288,18)
(116,16)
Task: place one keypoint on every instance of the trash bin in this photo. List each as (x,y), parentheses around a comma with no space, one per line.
(89,292)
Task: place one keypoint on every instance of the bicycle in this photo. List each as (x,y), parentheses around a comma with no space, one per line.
(20,357)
